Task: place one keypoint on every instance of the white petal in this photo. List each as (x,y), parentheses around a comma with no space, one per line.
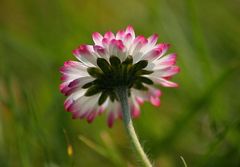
(163,82)
(97,38)
(85,54)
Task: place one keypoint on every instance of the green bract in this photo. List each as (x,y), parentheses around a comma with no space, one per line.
(115,74)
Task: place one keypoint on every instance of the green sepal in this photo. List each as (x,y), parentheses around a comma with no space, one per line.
(145,80)
(111,74)
(128,60)
(139,85)
(143,72)
(104,65)
(135,68)
(92,91)
(94,72)
(115,61)
(87,85)
(140,65)
(102,98)
(112,96)
(126,68)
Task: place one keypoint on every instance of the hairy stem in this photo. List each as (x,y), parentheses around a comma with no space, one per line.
(123,98)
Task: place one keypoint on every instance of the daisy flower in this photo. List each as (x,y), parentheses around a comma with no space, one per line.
(116,60)
(116,75)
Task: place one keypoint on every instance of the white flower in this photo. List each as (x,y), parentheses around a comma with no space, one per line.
(116,60)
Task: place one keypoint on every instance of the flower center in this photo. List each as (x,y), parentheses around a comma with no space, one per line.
(115,74)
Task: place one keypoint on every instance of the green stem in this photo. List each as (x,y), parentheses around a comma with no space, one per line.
(122,93)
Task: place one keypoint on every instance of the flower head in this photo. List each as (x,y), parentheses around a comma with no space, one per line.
(116,61)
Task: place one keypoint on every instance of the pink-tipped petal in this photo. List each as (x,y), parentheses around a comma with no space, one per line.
(65,89)
(62,86)
(135,111)
(109,35)
(110,119)
(153,54)
(171,71)
(100,50)
(157,92)
(70,90)
(130,30)
(117,44)
(100,110)
(120,34)
(163,47)
(91,116)
(168,60)
(67,104)
(74,83)
(105,42)
(84,54)
(155,101)
(152,40)
(166,72)
(97,38)
(127,40)
(139,100)
(117,48)
(84,50)
(72,67)
(138,43)
(167,83)
(140,40)
(70,63)
(64,77)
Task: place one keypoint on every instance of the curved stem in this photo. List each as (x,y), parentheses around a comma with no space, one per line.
(122,93)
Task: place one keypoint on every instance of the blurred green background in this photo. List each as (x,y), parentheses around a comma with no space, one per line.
(199,121)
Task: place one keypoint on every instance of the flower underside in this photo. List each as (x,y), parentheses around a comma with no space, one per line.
(113,62)
(115,74)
